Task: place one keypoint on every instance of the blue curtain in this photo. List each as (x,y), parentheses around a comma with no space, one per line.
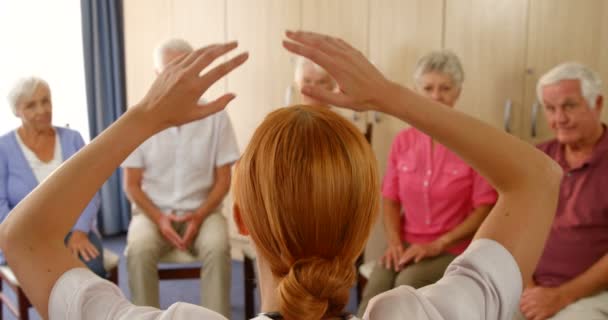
(102,33)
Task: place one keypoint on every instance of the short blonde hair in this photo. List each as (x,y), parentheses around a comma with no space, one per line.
(442,61)
(24,88)
(308,192)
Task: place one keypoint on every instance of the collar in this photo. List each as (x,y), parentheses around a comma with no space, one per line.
(599,150)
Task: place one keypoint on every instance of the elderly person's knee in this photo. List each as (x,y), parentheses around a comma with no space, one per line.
(412,276)
(142,247)
(217,245)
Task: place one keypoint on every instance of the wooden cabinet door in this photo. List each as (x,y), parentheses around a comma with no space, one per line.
(400,32)
(490,39)
(201,23)
(560,31)
(146,23)
(260,84)
(347,19)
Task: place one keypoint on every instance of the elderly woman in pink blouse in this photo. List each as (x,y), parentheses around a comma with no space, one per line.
(433,201)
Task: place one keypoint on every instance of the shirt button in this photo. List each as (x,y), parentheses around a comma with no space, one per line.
(428,173)
(428,221)
(426,183)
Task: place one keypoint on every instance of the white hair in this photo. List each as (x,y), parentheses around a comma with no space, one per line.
(591,84)
(24,88)
(442,61)
(301,62)
(171,45)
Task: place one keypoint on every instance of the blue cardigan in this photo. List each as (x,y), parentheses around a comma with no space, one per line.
(17,179)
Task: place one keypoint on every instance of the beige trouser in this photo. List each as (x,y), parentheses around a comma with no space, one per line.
(590,308)
(416,275)
(145,246)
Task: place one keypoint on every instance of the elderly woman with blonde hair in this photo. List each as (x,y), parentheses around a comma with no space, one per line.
(308,73)
(32,152)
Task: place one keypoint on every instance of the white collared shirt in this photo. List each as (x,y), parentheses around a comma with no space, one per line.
(179,163)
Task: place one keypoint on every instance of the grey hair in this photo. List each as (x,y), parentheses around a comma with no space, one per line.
(175,45)
(442,61)
(23,88)
(591,84)
(299,69)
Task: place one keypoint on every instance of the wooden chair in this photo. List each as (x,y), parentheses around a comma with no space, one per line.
(172,267)
(22,304)
(177,264)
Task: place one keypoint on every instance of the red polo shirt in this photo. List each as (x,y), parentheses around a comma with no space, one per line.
(579,235)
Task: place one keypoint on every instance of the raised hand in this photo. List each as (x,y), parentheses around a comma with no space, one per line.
(360,83)
(173,98)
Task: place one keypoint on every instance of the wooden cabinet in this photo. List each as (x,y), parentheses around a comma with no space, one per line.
(260,84)
(396,41)
(347,19)
(560,31)
(148,23)
(487,36)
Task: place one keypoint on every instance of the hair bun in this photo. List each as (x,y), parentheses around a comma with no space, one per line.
(316,287)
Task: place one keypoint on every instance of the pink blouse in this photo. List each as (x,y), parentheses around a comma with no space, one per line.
(436,189)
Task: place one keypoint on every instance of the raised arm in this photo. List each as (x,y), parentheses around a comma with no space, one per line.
(527,181)
(32,236)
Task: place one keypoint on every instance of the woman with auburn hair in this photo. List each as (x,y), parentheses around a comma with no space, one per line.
(306,192)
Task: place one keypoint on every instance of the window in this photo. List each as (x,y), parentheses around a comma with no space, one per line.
(44,39)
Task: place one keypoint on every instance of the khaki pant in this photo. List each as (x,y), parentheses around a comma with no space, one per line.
(416,275)
(145,246)
(590,308)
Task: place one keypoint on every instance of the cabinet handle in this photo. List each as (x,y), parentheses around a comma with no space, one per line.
(376,116)
(507,115)
(534,118)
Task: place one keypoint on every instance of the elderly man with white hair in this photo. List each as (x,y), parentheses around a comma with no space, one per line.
(571,279)
(176,181)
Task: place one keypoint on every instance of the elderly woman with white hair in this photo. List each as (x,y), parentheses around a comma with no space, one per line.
(433,202)
(308,73)
(32,152)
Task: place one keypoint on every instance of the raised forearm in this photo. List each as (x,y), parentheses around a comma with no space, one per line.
(494,154)
(392,221)
(89,215)
(137,196)
(590,282)
(467,228)
(218,192)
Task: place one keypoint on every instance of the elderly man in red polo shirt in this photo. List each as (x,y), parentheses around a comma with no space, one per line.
(571,280)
